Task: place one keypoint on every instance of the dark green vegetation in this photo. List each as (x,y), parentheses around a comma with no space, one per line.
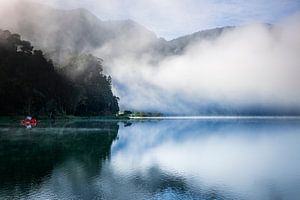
(30,84)
(128,114)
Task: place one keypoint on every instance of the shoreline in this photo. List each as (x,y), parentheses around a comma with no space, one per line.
(217,117)
(127,118)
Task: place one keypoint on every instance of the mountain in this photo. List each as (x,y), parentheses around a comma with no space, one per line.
(178,45)
(63,34)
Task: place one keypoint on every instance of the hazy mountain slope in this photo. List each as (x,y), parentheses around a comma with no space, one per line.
(65,33)
(179,44)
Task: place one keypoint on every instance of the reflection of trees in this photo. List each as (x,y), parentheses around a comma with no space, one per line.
(32,155)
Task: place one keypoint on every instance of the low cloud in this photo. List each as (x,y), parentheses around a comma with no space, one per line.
(255,65)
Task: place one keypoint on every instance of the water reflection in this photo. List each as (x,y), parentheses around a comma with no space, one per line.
(57,162)
(167,159)
(250,159)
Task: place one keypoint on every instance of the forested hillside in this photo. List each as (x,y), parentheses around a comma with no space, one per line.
(30,84)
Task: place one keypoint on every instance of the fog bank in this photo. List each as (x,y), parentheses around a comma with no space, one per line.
(250,67)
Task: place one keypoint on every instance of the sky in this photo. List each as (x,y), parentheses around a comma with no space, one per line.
(174,18)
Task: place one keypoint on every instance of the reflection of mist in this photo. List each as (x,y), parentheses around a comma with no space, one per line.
(167,159)
(253,159)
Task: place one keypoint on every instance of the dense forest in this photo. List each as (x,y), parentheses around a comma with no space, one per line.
(31,85)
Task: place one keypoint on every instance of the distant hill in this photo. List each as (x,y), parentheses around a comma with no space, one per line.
(178,45)
(63,34)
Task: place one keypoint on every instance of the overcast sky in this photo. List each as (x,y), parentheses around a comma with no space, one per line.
(173,18)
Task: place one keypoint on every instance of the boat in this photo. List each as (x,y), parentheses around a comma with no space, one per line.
(29,122)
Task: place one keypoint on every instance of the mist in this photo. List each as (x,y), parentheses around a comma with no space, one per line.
(253,66)
(248,69)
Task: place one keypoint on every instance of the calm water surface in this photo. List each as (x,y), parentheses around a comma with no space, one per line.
(156,159)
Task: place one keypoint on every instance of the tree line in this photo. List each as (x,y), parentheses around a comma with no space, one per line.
(31,85)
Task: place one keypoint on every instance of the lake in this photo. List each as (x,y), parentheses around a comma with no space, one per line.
(209,159)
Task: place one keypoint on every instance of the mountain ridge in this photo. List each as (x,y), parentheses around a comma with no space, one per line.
(63,34)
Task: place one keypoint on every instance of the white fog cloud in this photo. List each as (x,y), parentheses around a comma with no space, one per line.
(248,65)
